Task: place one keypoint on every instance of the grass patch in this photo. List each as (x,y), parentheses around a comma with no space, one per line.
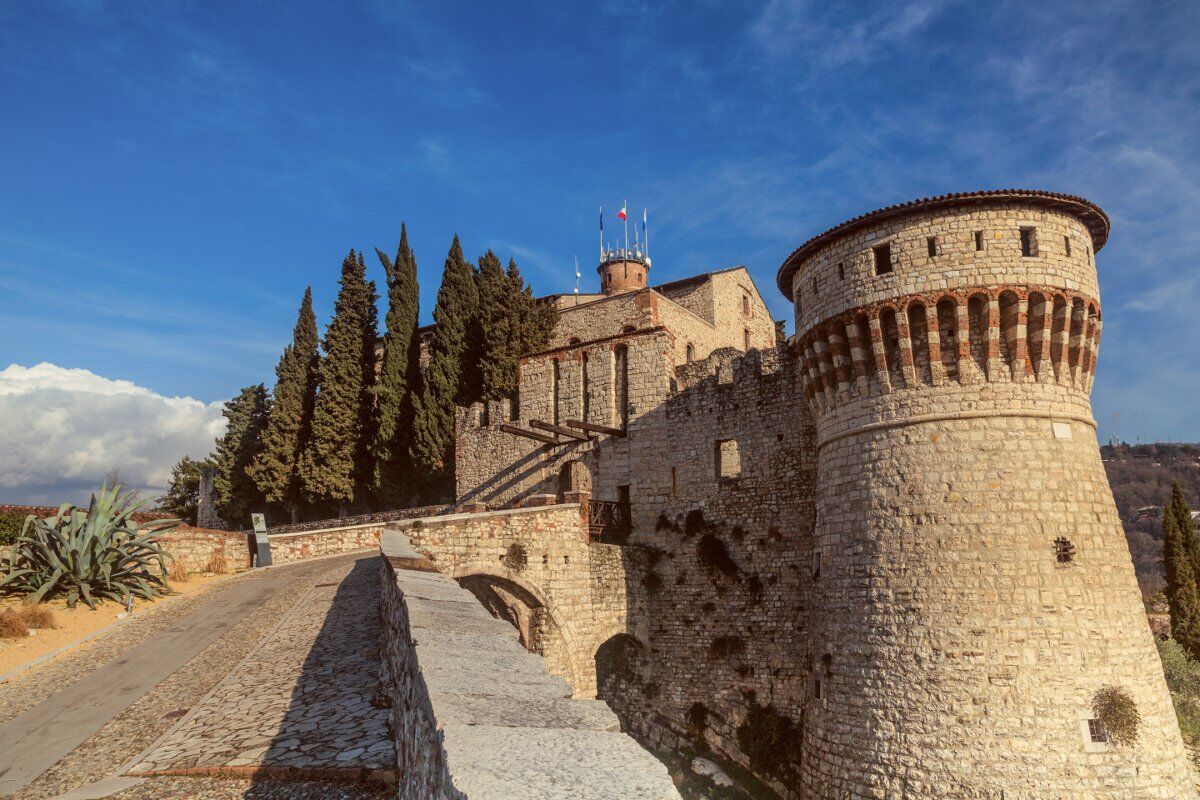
(38,616)
(11,625)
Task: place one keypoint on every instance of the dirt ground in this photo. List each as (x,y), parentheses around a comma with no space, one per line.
(76,623)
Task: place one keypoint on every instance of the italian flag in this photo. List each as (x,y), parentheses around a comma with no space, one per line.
(621,214)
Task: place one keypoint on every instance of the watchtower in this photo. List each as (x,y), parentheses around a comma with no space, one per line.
(973,590)
(623,270)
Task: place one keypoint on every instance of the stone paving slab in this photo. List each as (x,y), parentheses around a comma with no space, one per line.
(493,709)
(302,699)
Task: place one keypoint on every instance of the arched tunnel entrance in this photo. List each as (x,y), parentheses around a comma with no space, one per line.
(622,667)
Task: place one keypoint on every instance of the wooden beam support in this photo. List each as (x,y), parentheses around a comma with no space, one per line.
(541,437)
(570,434)
(594,428)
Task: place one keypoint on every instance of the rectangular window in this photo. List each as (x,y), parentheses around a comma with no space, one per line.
(816,688)
(745,338)
(883,259)
(931,245)
(728,460)
(554,378)
(745,304)
(1029,242)
(1067,244)
(1097,732)
(621,384)
(583,374)
(841,271)
(978,240)
(816,573)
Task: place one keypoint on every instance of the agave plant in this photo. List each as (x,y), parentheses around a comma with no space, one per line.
(100,553)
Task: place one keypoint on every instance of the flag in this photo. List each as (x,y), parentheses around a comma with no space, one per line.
(643,222)
(621,214)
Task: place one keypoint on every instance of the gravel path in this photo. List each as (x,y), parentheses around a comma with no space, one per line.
(142,723)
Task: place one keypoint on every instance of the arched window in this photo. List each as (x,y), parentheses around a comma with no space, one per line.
(691,352)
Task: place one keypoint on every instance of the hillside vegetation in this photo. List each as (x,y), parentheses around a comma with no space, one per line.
(1141,477)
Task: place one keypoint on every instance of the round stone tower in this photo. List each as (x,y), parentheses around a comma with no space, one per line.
(623,270)
(973,591)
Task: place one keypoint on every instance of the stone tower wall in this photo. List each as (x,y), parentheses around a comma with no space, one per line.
(957,653)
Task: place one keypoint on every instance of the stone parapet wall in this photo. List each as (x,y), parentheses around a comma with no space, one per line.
(290,547)
(474,715)
(199,548)
(358,519)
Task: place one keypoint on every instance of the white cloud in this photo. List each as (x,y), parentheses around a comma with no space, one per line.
(64,428)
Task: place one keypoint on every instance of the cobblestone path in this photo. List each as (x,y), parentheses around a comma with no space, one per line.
(302,699)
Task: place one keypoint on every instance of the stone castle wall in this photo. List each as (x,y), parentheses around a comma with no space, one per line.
(957,646)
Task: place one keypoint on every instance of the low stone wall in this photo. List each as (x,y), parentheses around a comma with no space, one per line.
(476,716)
(289,547)
(360,519)
(200,548)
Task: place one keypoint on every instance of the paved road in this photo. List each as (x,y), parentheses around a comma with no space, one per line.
(33,741)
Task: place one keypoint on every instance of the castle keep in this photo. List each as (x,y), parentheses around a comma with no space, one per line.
(878,560)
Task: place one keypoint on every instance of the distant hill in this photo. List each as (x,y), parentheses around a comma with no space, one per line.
(1141,476)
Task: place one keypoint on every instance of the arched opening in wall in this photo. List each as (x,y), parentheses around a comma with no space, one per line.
(621,678)
(514,604)
(947,321)
(977,319)
(691,352)
(1058,333)
(574,476)
(891,345)
(862,329)
(1075,342)
(918,331)
(1035,329)
(1009,310)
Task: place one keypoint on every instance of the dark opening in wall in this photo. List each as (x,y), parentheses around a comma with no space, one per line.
(712,553)
(691,352)
(841,272)
(725,646)
(814,285)
(586,389)
(1096,731)
(931,245)
(816,565)
(883,258)
(1067,245)
(816,688)
(554,389)
(621,384)
(745,338)
(978,240)
(1064,550)
(745,303)
(514,406)
(1029,242)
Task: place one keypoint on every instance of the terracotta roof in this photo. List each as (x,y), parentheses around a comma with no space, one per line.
(1088,213)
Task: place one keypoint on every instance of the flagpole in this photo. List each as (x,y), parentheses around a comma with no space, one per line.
(601,233)
(645,234)
(627,227)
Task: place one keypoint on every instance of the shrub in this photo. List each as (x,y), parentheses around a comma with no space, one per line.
(38,616)
(10,527)
(11,625)
(218,564)
(714,555)
(179,571)
(1183,679)
(516,557)
(101,553)
(1116,711)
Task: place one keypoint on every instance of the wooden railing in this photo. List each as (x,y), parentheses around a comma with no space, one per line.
(609,521)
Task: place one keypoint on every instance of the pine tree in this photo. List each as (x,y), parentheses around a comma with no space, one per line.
(331,469)
(433,422)
(183,491)
(246,417)
(1183,594)
(399,378)
(290,420)
(496,318)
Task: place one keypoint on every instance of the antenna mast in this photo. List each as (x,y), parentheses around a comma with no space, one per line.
(601,233)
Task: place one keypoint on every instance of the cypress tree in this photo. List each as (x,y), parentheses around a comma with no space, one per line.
(399,378)
(1178,508)
(534,320)
(496,317)
(432,447)
(1183,595)
(246,417)
(331,468)
(364,462)
(290,420)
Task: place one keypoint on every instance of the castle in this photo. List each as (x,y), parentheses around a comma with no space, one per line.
(878,560)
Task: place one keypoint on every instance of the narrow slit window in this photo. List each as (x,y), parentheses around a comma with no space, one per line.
(1067,244)
(554,390)
(816,565)
(842,271)
(931,245)
(978,240)
(691,352)
(621,385)
(745,304)
(746,338)
(1029,242)
(816,688)
(586,387)
(814,282)
(883,259)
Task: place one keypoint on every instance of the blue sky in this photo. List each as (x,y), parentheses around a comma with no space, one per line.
(174,174)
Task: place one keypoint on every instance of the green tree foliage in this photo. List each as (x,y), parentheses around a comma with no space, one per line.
(534,319)
(237,494)
(1178,508)
(1183,679)
(498,327)
(1183,594)
(335,468)
(433,422)
(182,497)
(399,378)
(290,420)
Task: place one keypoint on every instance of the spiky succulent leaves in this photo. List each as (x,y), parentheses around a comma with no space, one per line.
(327,466)
(100,554)
(433,423)
(237,494)
(399,378)
(290,419)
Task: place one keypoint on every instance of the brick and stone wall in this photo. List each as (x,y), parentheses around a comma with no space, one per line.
(474,715)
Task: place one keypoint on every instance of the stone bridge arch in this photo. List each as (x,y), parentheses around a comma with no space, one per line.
(509,596)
